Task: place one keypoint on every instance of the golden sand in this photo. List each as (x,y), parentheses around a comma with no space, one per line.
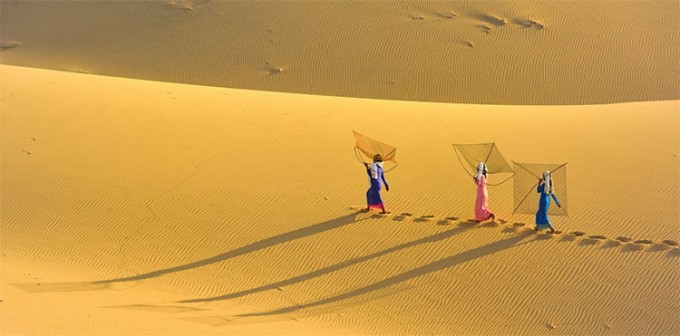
(137,207)
(135,203)
(482,52)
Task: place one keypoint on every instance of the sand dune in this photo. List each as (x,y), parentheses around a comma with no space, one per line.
(484,52)
(139,207)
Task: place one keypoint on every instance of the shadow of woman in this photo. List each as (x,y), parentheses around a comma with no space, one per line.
(243,250)
(462,227)
(441,264)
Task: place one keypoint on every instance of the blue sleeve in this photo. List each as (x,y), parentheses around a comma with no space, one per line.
(384,181)
(538,188)
(556,200)
(368,171)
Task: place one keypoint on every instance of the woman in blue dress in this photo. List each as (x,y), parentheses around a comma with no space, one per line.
(377,179)
(545,188)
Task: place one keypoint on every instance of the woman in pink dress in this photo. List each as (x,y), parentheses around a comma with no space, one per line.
(482,212)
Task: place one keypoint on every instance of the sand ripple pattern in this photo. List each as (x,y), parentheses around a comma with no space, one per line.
(235,208)
(491,52)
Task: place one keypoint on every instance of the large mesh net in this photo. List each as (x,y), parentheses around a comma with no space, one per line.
(526,180)
(370,147)
(472,154)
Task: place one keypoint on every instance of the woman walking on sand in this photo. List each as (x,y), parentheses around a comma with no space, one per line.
(377,179)
(545,188)
(482,212)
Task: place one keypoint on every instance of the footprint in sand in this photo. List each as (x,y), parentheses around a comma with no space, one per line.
(275,70)
(424,218)
(485,28)
(624,239)
(526,23)
(452,218)
(590,241)
(633,248)
(611,244)
(518,224)
(493,19)
(468,224)
(447,15)
(598,237)
(674,252)
(578,233)
(644,241)
(181,5)
(5,45)
(468,44)
(402,216)
(658,248)
(442,222)
(670,242)
(536,25)
(568,238)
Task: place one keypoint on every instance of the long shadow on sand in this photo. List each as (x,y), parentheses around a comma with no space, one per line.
(256,246)
(417,272)
(260,245)
(462,227)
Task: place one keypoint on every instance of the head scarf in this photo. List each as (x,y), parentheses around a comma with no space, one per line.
(376,166)
(547,183)
(481,170)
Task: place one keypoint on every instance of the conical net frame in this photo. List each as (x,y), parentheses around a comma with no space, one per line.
(525,182)
(472,154)
(370,147)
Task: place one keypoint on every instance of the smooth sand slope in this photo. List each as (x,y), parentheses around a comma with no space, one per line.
(134,207)
(488,52)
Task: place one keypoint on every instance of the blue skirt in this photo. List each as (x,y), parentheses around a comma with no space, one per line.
(373,197)
(542,220)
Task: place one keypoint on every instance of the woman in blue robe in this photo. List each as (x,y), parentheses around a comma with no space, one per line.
(545,189)
(377,178)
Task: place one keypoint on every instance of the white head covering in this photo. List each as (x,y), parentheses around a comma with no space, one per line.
(481,168)
(547,182)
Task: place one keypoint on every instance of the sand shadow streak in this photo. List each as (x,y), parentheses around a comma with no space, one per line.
(417,272)
(462,227)
(260,245)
